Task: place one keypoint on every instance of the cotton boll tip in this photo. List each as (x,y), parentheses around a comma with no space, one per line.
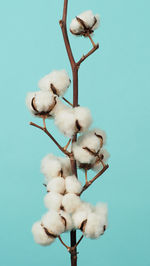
(53,200)
(56,185)
(51,167)
(53,222)
(83,118)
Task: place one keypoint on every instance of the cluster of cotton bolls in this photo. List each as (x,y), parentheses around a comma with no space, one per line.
(88,150)
(66,211)
(84,24)
(46,101)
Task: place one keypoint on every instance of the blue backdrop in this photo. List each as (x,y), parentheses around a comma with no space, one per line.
(114,84)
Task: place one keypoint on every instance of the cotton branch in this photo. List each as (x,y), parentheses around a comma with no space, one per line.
(51,137)
(89,183)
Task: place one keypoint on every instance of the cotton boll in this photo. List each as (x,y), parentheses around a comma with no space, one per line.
(83,117)
(40,236)
(87,17)
(90,141)
(44,101)
(93,228)
(73,185)
(70,202)
(65,121)
(53,223)
(59,79)
(67,220)
(56,185)
(97,23)
(66,166)
(82,155)
(51,167)
(53,201)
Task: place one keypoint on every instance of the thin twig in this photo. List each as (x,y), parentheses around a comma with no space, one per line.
(94,178)
(44,123)
(88,54)
(68,248)
(51,137)
(67,101)
(67,145)
(93,43)
(78,242)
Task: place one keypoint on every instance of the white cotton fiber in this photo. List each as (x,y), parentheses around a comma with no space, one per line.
(82,155)
(67,220)
(53,223)
(65,121)
(51,167)
(73,185)
(83,116)
(29,98)
(40,236)
(66,166)
(59,79)
(100,134)
(53,201)
(44,101)
(93,228)
(58,107)
(81,214)
(102,211)
(70,202)
(89,21)
(56,185)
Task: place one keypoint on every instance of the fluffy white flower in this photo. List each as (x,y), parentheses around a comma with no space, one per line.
(56,185)
(83,118)
(90,21)
(104,155)
(40,235)
(70,202)
(41,102)
(93,228)
(67,220)
(59,107)
(53,222)
(53,201)
(58,81)
(65,121)
(51,167)
(73,185)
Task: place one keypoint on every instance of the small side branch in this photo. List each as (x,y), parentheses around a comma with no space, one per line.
(89,183)
(88,54)
(67,101)
(67,247)
(51,137)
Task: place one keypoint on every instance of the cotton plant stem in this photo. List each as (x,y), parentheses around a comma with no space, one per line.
(89,183)
(67,101)
(51,137)
(62,242)
(86,180)
(67,145)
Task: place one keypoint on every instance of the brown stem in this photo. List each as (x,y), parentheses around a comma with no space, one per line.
(67,101)
(88,54)
(78,241)
(94,178)
(86,180)
(93,43)
(68,143)
(51,137)
(44,123)
(68,248)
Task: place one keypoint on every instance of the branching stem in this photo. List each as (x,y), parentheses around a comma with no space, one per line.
(51,137)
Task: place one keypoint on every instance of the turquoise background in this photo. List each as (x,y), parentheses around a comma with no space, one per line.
(114,84)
